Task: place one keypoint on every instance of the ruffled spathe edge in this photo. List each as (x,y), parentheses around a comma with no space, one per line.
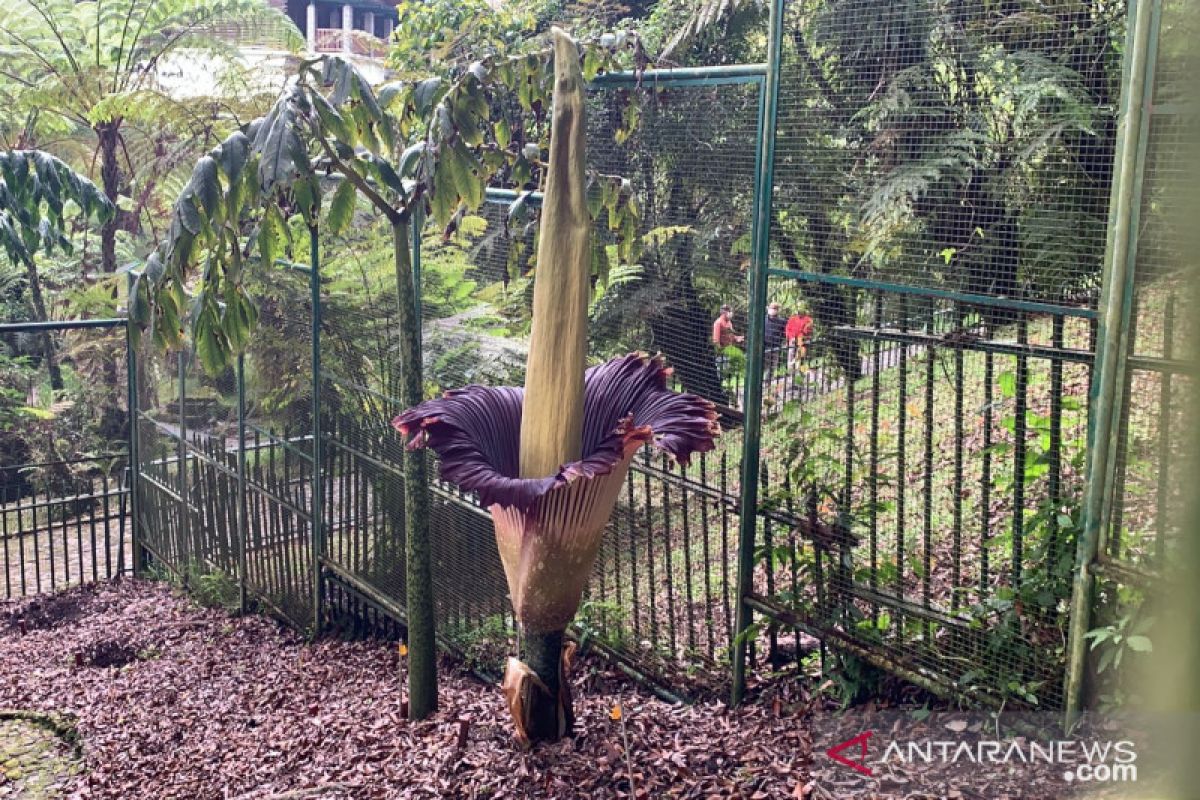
(476,430)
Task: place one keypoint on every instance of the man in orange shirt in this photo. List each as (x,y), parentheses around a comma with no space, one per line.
(723,334)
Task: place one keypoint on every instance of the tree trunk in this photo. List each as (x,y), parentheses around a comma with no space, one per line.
(108,134)
(682,331)
(49,354)
(422,667)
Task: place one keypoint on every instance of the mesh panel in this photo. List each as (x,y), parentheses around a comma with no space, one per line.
(918,464)
(1149,500)
(279,446)
(941,170)
(918,141)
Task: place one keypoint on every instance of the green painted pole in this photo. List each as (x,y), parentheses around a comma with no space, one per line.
(318,464)
(185,523)
(1111,343)
(131,404)
(752,405)
(241,482)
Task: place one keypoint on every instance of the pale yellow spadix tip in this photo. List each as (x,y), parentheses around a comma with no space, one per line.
(552,415)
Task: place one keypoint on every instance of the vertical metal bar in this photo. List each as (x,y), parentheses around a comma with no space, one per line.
(901,450)
(873,470)
(92,499)
(241,482)
(1164,436)
(1020,449)
(927,469)
(985,476)
(181,465)
(1054,479)
(703,502)
(1112,532)
(1117,285)
(37,561)
(132,377)
(752,425)
(957,499)
(651,586)
(317,521)
(725,561)
(687,561)
(4,537)
(768,540)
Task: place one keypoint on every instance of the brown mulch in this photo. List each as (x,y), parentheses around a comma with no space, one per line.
(173,701)
(168,700)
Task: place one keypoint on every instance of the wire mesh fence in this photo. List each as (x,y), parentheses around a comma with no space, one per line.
(939,224)
(924,297)
(1152,461)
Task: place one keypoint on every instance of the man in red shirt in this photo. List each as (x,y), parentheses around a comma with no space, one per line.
(723,334)
(798,329)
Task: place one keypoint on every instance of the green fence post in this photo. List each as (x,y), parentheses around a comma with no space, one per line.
(131,403)
(318,484)
(1112,340)
(185,526)
(241,481)
(752,393)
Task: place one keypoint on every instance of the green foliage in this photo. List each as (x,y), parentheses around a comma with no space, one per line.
(1127,634)
(433,143)
(441,35)
(88,75)
(484,646)
(603,621)
(206,230)
(209,587)
(35,188)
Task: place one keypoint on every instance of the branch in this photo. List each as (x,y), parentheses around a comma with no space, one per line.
(814,68)
(379,201)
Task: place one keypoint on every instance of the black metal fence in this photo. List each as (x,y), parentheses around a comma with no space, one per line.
(64,472)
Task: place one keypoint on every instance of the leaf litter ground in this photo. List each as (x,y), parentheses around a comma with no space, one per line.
(170,700)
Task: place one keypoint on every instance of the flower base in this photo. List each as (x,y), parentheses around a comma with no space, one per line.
(538,690)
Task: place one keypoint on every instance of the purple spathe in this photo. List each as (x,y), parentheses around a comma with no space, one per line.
(476,430)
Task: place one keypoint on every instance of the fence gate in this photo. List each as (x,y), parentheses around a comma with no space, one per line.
(941,220)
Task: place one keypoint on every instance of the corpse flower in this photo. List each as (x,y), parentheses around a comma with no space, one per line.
(548,460)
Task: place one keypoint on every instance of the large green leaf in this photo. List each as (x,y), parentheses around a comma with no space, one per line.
(341,208)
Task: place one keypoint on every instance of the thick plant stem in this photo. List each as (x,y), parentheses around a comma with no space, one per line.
(549,714)
(552,414)
(422,665)
(49,352)
(110,179)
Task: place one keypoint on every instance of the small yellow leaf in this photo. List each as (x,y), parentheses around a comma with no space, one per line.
(403,649)
(615,714)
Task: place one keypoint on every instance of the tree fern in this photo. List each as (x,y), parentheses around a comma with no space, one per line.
(93,69)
